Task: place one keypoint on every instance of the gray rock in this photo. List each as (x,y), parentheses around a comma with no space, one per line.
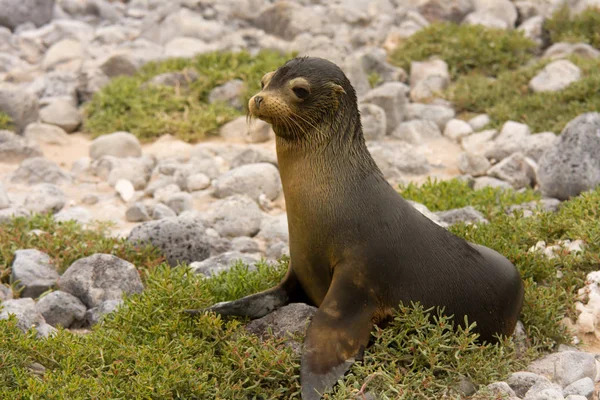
(64,54)
(550,205)
(186,47)
(8,214)
(431,112)
(445,10)
(208,167)
(181,240)
(486,181)
(521,382)
(571,165)
(6,293)
(244,244)
(555,76)
(117,144)
(21,106)
(501,389)
(397,159)
(25,312)
(181,22)
(565,367)
(15,13)
(479,143)
(251,180)
(564,50)
(536,145)
(100,277)
(180,202)
(34,272)
(176,79)
(161,211)
(198,182)
(582,387)
(467,214)
(56,84)
(229,93)
(473,164)
(287,322)
(45,198)
(427,213)
(79,214)
(135,170)
(533,28)
(95,315)
(511,139)
(14,149)
(287,20)
(119,64)
(46,133)
(274,229)
(40,170)
(373,121)
(514,170)
(479,122)
(237,129)
(90,199)
(222,262)
(428,78)
(416,131)
(137,212)
(91,80)
(235,216)
(392,98)
(254,156)
(457,129)
(277,250)
(576,397)
(63,114)
(465,386)
(485,19)
(61,309)
(552,393)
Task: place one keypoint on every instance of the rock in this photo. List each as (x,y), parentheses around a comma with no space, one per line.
(549,205)
(125,189)
(565,367)
(479,143)
(536,145)
(186,47)
(274,229)
(40,170)
(373,121)
(135,170)
(479,122)
(582,387)
(4,200)
(15,149)
(21,106)
(8,214)
(67,51)
(485,19)
(244,245)
(95,315)
(180,202)
(533,28)
(254,156)
(428,78)
(467,214)
(137,213)
(564,50)
(100,277)
(473,164)
(391,97)
(162,211)
(237,129)
(15,13)
(575,397)
(285,322)
(61,309)
(287,20)
(181,240)
(222,262)
(198,182)
(445,10)
(436,113)
(553,393)
(62,114)
(45,198)
(6,293)
(521,382)
(456,129)
(486,181)
(555,76)
(118,144)
(46,134)
(25,312)
(396,160)
(277,250)
(571,165)
(501,389)
(514,170)
(229,93)
(34,272)
(91,80)
(181,22)
(175,79)
(55,85)
(510,140)
(79,214)
(235,216)
(90,199)
(119,64)
(251,180)
(416,131)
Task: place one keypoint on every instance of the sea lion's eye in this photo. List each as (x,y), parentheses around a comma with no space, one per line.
(301,92)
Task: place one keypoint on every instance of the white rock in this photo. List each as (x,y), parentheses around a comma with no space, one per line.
(555,76)
(479,122)
(485,19)
(186,47)
(198,182)
(473,164)
(251,180)
(125,189)
(479,143)
(117,144)
(415,131)
(46,133)
(511,139)
(428,78)
(62,52)
(456,129)
(62,114)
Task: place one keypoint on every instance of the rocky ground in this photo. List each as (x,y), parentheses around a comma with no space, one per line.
(211,203)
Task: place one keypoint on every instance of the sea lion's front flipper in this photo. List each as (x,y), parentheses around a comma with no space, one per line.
(337,334)
(260,304)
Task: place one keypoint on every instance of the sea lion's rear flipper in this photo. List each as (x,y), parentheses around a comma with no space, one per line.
(337,334)
(260,304)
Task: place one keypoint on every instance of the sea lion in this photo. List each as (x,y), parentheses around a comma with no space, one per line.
(357,248)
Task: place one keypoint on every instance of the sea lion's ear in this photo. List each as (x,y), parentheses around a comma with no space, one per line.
(337,89)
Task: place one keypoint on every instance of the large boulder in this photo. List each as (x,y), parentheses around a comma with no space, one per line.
(572,165)
(17,12)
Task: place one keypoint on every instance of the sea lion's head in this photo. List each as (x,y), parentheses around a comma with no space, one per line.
(302,95)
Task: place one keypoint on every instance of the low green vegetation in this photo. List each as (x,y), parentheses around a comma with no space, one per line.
(466,48)
(151,349)
(580,28)
(5,121)
(508,97)
(148,111)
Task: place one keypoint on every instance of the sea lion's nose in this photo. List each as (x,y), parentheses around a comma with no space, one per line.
(258,100)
